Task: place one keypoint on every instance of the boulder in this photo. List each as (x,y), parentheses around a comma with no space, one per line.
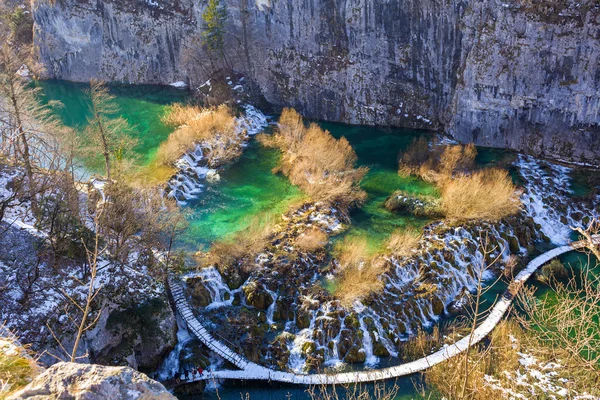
(92,382)
(355,355)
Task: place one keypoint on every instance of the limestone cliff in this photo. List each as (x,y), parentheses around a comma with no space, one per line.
(514,73)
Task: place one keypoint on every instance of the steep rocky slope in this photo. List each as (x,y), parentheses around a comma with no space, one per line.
(514,73)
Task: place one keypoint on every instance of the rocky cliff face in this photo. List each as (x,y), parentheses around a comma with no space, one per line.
(510,73)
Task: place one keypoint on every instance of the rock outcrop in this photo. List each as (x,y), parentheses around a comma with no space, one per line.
(92,382)
(517,74)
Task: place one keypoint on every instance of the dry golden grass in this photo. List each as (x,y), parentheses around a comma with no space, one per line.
(311,240)
(488,194)
(438,163)
(322,166)
(359,271)
(457,158)
(421,344)
(453,381)
(403,241)
(214,127)
(16,369)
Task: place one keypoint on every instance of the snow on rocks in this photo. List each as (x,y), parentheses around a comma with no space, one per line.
(179,85)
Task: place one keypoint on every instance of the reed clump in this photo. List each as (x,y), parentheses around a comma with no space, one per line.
(467,193)
(359,271)
(322,166)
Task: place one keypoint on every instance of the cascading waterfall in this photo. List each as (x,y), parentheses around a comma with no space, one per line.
(193,171)
(547,198)
(170,366)
(221,295)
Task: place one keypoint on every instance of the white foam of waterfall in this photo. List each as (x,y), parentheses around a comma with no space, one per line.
(170,366)
(367,343)
(541,183)
(297,360)
(213,282)
(271,309)
(253,121)
(548,186)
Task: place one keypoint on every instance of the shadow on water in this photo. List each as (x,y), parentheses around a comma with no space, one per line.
(405,389)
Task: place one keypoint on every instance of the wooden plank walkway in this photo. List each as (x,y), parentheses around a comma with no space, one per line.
(252,371)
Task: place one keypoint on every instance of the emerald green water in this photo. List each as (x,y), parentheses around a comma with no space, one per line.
(378,150)
(142,107)
(248,190)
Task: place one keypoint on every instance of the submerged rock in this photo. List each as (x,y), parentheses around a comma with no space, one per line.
(92,382)
(419,206)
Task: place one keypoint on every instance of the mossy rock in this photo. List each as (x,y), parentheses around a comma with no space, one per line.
(355,355)
(302,319)
(351,321)
(256,296)
(309,348)
(417,205)
(380,350)
(553,270)
(198,293)
(513,245)
(437,305)
(237,299)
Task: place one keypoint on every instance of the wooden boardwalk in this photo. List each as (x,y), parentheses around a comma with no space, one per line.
(252,371)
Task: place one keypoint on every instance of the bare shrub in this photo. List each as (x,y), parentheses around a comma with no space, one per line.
(311,240)
(322,166)
(453,381)
(488,194)
(359,271)
(422,344)
(214,127)
(403,241)
(457,158)
(567,321)
(416,155)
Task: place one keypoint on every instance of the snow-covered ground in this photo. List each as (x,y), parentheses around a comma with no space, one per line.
(533,379)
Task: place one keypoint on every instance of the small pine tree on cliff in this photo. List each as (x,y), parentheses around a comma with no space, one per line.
(214,17)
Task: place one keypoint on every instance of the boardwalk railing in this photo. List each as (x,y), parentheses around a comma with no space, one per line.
(252,371)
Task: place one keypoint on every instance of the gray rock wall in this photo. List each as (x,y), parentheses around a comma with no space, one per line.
(514,73)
